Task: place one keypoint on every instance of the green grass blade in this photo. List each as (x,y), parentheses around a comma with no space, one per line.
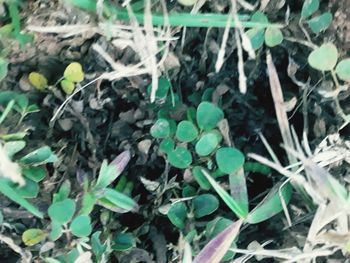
(238,189)
(175,19)
(7,110)
(229,201)
(271,204)
(9,192)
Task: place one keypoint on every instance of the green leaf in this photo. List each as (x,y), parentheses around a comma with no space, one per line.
(324,58)
(81,226)
(207,144)
(256,37)
(238,189)
(88,203)
(271,204)
(13,147)
(273,37)
(343,69)
(123,242)
(62,211)
(74,72)
(67,86)
(188,191)
(3,68)
(229,201)
(108,173)
(204,205)
(33,236)
(40,156)
(13,136)
(63,192)
(29,190)
(56,231)
(186,131)
(12,194)
(121,200)
(229,160)
(38,81)
(97,247)
(167,145)
(200,178)
(320,23)
(161,129)
(7,110)
(208,115)
(37,174)
(177,214)
(180,157)
(309,7)
(163,88)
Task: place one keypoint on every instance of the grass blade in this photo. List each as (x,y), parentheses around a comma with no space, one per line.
(216,249)
(229,201)
(10,193)
(271,204)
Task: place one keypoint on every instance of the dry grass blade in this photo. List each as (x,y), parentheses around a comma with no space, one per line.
(9,169)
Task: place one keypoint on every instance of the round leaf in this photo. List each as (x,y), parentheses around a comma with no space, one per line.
(229,160)
(81,226)
(36,174)
(180,157)
(186,131)
(74,72)
(177,214)
(123,241)
(161,129)
(56,231)
(320,23)
(167,145)
(273,37)
(67,86)
(309,7)
(207,144)
(324,58)
(62,212)
(208,115)
(204,205)
(38,80)
(33,236)
(29,190)
(343,69)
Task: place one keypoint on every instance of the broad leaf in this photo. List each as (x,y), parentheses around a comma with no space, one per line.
(204,205)
(38,81)
(343,69)
(180,157)
(186,131)
(36,174)
(309,7)
(177,214)
(229,160)
(74,72)
(33,236)
(29,190)
(324,58)
(123,242)
(56,231)
(40,156)
(81,226)
(67,86)
(161,129)
(200,178)
(62,211)
(208,115)
(320,23)
(207,144)
(273,37)
(167,145)
(13,147)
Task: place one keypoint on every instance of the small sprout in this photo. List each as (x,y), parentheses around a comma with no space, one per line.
(38,81)
(67,86)
(81,226)
(161,129)
(74,72)
(33,236)
(186,131)
(343,69)
(180,157)
(177,214)
(324,58)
